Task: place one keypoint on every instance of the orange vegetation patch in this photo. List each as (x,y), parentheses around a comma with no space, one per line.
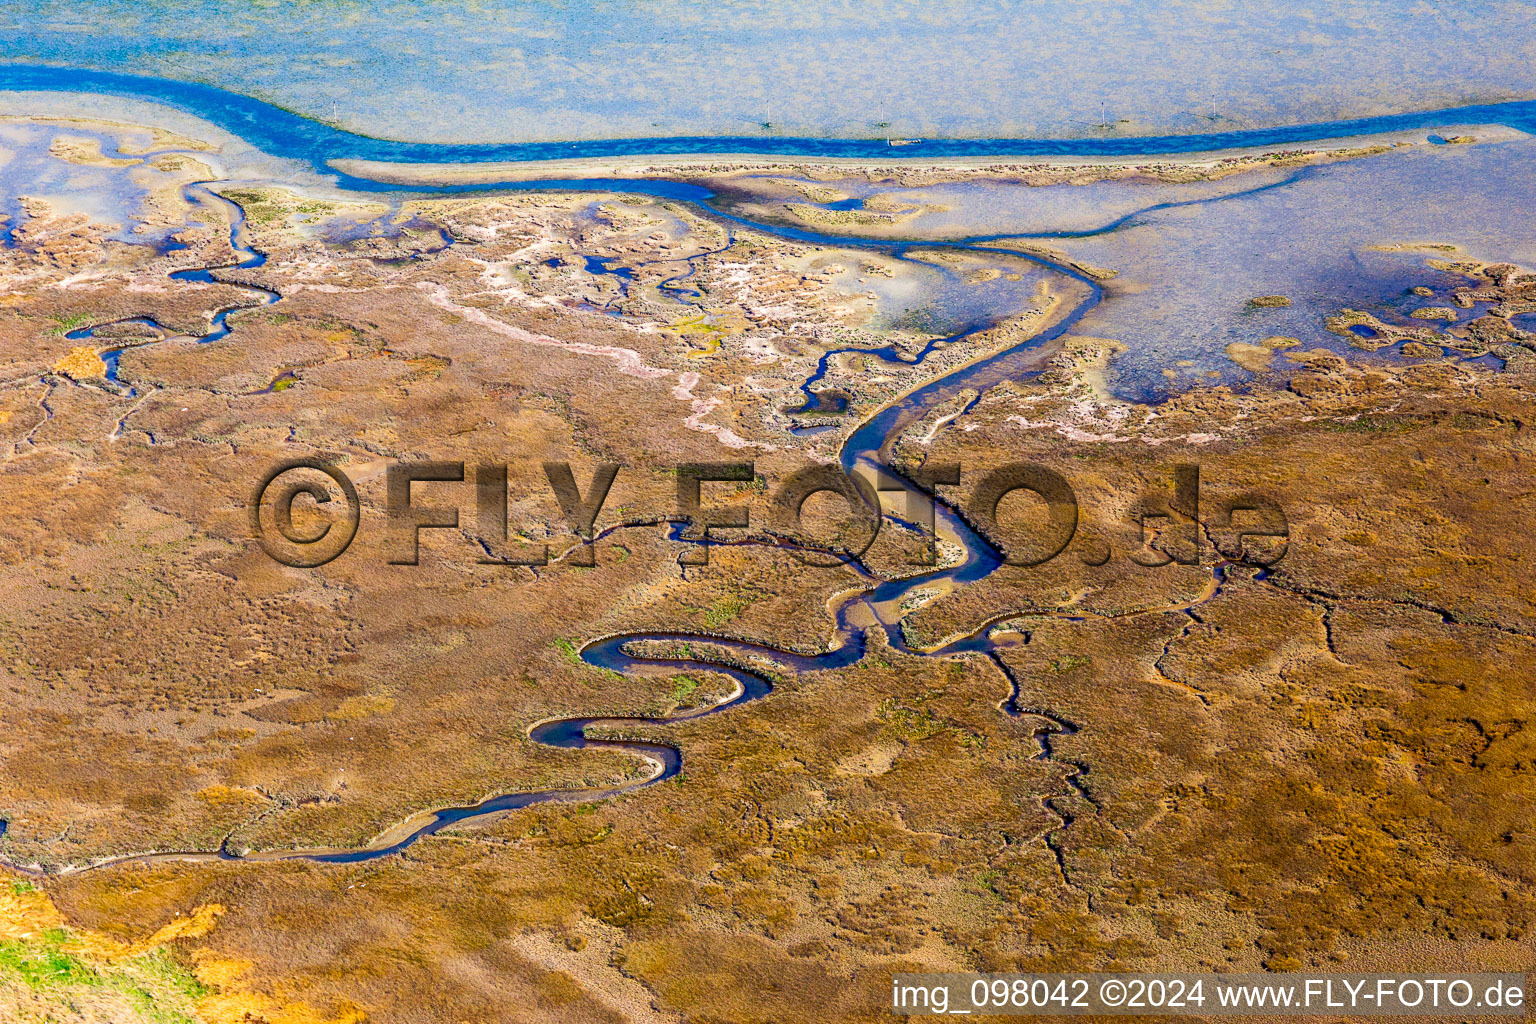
(81,362)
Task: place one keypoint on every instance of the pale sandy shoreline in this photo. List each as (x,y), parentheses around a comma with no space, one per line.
(236,159)
(706,165)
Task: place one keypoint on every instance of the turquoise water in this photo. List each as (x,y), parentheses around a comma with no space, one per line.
(539,70)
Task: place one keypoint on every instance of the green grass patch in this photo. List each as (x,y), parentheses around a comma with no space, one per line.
(912,719)
(67,323)
(42,963)
(724,610)
(683,687)
(259,209)
(567,648)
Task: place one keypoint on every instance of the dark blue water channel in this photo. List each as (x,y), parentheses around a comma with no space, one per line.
(879,606)
(281,132)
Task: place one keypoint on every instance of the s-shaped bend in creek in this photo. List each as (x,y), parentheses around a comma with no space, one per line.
(876,606)
(248,259)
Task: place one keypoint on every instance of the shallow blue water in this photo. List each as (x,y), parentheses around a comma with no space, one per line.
(283,133)
(249,259)
(538,69)
(108,195)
